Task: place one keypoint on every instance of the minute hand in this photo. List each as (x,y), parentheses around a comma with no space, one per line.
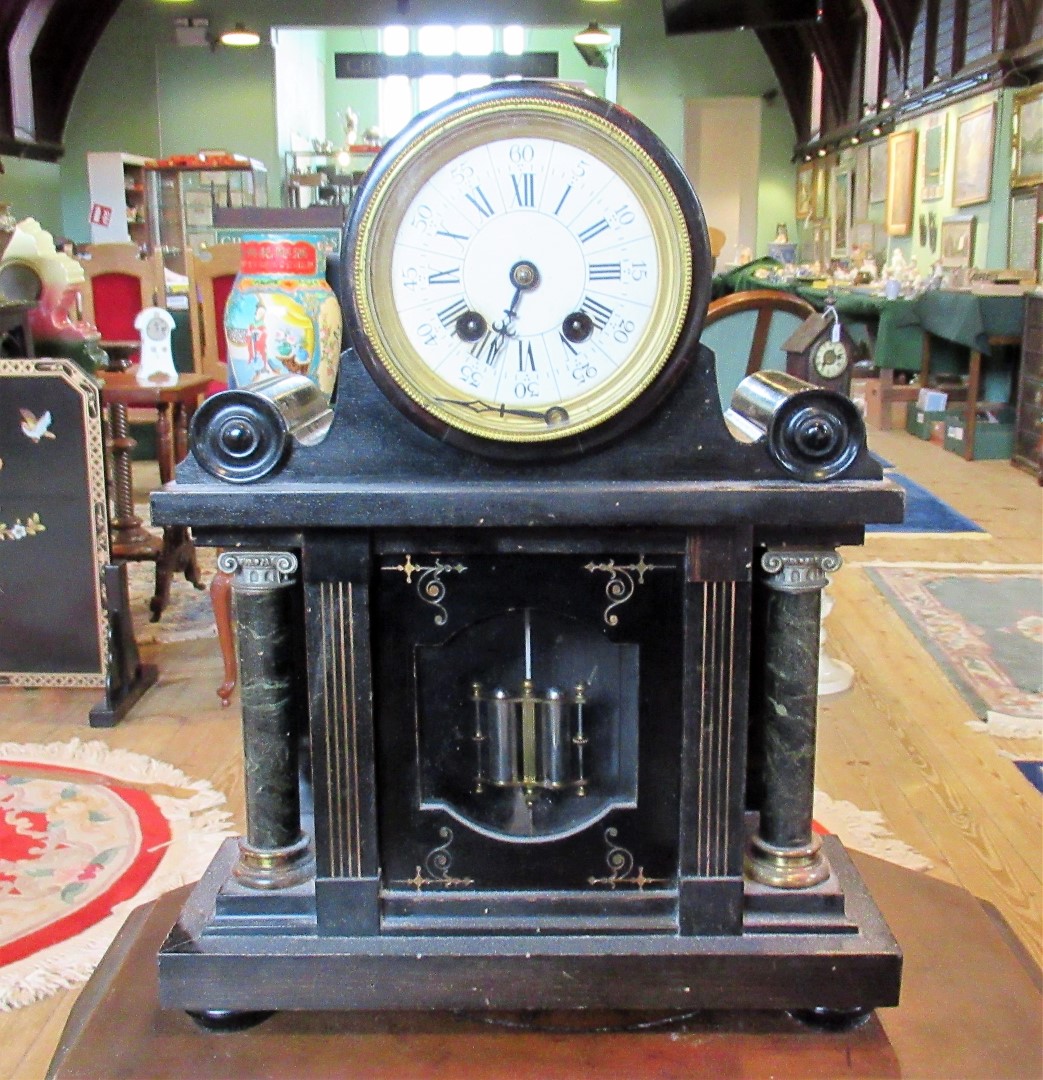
(477,406)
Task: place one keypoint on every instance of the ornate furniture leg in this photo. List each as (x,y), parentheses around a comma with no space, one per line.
(784,852)
(274,854)
(221,602)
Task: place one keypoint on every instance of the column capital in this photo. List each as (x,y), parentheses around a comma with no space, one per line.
(258,569)
(799,571)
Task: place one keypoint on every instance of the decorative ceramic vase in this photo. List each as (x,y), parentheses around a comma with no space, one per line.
(281,314)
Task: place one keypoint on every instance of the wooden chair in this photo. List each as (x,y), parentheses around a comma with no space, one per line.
(210,277)
(717,238)
(746,331)
(120,281)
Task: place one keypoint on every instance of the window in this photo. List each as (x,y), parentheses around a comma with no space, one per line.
(401,97)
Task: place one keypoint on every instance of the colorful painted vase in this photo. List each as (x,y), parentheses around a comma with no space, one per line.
(281,315)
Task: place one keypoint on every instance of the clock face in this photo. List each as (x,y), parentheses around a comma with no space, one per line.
(523,268)
(830,359)
(156,328)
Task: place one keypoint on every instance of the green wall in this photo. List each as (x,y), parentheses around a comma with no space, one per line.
(143,94)
(33,189)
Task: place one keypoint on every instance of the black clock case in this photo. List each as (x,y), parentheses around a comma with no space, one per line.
(645,906)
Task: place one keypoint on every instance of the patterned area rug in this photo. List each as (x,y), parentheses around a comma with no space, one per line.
(86,835)
(187,617)
(984,628)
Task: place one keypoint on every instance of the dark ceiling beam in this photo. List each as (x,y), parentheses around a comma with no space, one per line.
(790,57)
(35,14)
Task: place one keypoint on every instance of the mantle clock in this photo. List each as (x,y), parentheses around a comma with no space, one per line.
(528,638)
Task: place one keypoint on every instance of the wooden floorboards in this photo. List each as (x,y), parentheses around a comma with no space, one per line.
(897,742)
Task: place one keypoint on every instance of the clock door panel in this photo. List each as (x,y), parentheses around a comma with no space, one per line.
(529,730)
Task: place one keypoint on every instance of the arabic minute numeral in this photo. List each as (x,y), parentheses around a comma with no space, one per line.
(427,333)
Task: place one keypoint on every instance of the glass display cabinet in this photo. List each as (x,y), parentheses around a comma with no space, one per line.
(183,198)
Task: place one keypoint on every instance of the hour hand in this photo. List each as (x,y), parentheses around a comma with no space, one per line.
(551,417)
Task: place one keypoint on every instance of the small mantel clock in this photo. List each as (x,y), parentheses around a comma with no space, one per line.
(821,352)
(529,640)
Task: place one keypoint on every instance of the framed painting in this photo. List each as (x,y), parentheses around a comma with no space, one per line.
(841,213)
(957,240)
(805,191)
(860,197)
(820,199)
(1027,163)
(901,176)
(933,157)
(876,189)
(1023,237)
(972,172)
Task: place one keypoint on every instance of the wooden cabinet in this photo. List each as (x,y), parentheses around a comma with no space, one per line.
(1028,425)
(118,213)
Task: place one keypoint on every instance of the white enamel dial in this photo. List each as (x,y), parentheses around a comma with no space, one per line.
(830,359)
(523,271)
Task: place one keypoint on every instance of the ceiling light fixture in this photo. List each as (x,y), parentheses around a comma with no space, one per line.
(593,35)
(240,37)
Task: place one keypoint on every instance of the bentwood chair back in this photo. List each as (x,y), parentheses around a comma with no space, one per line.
(211,274)
(746,331)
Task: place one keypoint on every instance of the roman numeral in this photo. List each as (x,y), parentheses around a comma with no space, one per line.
(448,315)
(561,201)
(488,347)
(569,347)
(444,277)
(478,200)
(524,189)
(593,230)
(597,311)
(453,235)
(525,357)
(605,271)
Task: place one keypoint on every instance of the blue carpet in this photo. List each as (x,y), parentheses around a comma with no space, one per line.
(1033,771)
(925,512)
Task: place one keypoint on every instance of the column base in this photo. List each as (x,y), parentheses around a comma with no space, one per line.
(786,867)
(275,868)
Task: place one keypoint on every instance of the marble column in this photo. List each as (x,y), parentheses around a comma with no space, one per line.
(275,853)
(784,852)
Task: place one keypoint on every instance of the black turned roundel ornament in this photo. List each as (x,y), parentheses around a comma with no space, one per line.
(526,270)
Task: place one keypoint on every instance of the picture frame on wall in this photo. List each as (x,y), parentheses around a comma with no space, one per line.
(1023,236)
(1027,143)
(821,197)
(957,241)
(860,196)
(972,155)
(934,132)
(901,177)
(805,202)
(841,213)
(877,186)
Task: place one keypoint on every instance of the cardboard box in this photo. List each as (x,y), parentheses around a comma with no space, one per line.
(993,439)
(924,423)
(874,407)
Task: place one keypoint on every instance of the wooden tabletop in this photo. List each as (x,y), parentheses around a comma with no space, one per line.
(971,1007)
(122,388)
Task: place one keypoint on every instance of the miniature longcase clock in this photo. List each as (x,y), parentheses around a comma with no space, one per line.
(528,639)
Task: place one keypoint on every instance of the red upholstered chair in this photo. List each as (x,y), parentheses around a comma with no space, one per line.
(211,273)
(120,281)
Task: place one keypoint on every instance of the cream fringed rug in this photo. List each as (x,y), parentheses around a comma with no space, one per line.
(865,831)
(87,834)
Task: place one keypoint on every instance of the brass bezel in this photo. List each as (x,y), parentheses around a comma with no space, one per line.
(472,127)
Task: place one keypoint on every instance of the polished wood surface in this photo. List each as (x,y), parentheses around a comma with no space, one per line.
(173,552)
(897,743)
(987,990)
